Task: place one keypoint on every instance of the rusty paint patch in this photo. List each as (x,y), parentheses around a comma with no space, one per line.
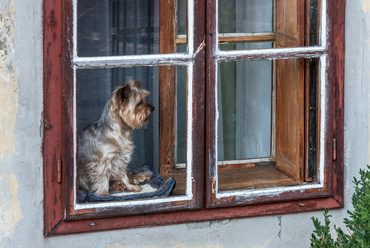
(8,81)
(72,211)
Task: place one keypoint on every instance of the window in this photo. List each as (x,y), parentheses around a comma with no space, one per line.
(248,98)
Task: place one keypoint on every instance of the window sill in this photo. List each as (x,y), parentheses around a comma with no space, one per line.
(240,177)
(104,224)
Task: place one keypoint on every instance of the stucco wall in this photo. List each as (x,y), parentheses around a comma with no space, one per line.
(21,194)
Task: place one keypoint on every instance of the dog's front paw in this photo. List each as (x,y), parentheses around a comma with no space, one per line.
(134,188)
(146,177)
(118,186)
(140,178)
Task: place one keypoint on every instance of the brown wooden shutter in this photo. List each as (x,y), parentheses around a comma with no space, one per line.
(167,87)
(289,155)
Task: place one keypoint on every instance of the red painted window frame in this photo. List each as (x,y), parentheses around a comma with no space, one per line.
(55,138)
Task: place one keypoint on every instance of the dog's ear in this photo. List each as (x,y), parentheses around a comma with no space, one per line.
(138,84)
(133,83)
(123,93)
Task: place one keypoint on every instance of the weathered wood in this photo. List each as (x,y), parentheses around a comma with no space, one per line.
(235,38)
(240,177)
(337,45)
(290,91)
(231,179)
(52,123)
(68,109)
(117,223)
(199,87)
(211,107)
(290,23)
(289,154)
(246,38)
(167,87)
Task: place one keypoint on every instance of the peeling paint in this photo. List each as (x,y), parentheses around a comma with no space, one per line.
(366,6)
(10,212)
(8,81)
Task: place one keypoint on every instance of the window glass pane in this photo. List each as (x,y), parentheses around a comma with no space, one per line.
(244,106)
(245,16)
(268,119)
(95,88)
(181,6)
(121,27)
(286,23)
(181,119)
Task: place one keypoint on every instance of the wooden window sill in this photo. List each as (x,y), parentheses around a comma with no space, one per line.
(240,177)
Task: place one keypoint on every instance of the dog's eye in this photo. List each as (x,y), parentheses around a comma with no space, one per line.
(140,103)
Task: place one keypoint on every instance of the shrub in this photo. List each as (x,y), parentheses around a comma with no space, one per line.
(358,223)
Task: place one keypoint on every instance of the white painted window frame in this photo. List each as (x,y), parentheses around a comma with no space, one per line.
(320,52)
(187,60)
(131,61)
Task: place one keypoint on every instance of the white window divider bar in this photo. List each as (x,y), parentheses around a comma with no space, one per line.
(272,53)
(130,61)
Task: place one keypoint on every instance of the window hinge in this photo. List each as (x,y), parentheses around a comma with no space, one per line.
(59,168)
(334,149)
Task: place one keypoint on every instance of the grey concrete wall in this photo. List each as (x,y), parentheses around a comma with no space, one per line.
(21,193)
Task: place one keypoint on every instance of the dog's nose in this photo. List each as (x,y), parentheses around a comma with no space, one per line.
(152,108)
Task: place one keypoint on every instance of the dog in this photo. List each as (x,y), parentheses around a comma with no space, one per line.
(105,146)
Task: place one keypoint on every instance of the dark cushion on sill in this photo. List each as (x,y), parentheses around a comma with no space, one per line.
(162,188)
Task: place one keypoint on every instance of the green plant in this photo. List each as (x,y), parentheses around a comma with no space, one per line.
(358,223)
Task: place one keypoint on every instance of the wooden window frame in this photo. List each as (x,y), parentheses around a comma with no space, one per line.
(61,218)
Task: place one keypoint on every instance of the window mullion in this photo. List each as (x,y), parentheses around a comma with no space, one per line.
(211,96)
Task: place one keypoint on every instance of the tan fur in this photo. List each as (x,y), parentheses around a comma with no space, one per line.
(105,146)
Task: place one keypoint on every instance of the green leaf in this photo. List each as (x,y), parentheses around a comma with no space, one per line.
(358,223)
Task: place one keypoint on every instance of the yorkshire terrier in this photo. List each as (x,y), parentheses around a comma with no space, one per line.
(106,145)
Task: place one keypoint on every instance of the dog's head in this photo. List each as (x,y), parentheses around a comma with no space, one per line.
(130,105)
